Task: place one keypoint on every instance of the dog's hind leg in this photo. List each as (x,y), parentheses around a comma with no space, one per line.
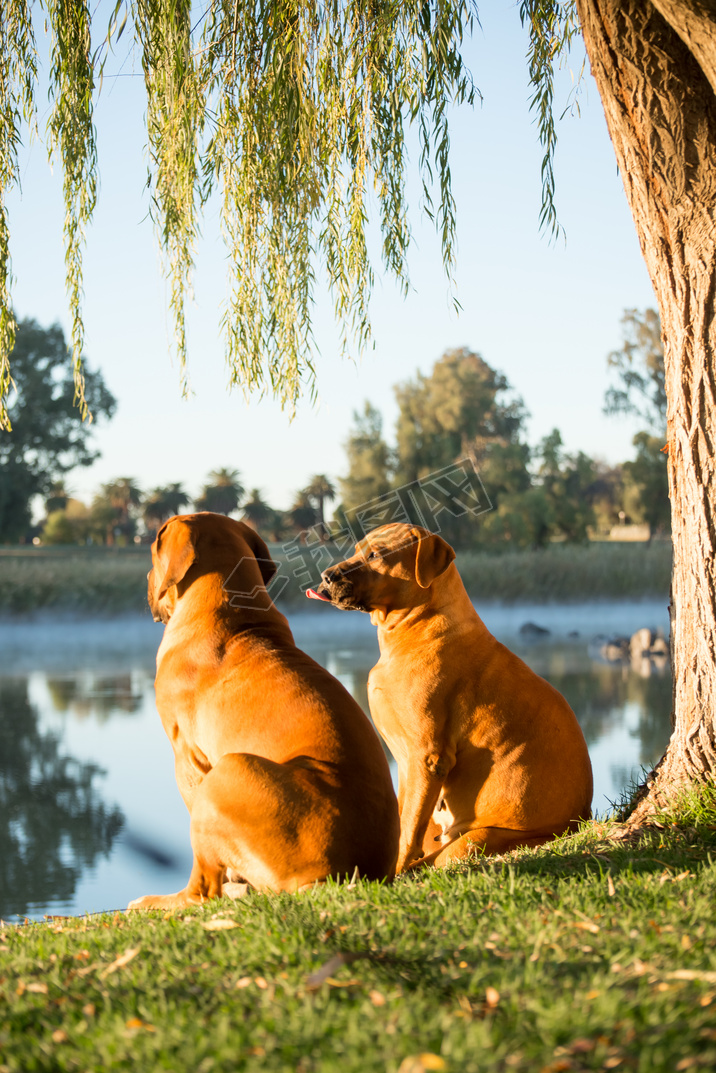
(275,825)
(483,840)
(270,823)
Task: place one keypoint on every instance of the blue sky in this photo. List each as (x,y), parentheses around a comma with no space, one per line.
(546,314)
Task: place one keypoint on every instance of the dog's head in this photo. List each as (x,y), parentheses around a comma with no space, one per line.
(190,545)
(391,569)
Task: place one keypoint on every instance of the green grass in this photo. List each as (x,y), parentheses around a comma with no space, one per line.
(563,572)
(74,580)
(591,954)
(114,579)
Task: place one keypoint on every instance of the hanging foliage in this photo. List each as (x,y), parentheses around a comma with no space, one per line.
(18,73)
(291,114)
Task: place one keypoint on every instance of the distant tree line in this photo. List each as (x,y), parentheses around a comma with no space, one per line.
(120,513)
(462,409)
(466,409)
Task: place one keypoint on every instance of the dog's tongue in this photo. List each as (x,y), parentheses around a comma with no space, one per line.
(313,595)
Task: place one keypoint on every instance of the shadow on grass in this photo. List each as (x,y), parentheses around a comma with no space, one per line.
(602,847)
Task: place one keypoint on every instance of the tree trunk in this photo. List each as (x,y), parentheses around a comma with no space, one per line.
(655,68)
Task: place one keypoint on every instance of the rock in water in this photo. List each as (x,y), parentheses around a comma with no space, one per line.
(640,643)
(531,631)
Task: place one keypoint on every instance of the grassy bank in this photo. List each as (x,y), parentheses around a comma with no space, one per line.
(564,572)
(113,580)
(589,955)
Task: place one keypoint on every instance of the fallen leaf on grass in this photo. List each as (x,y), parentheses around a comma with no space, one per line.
(581,1046)
(120,962)
(586,925)
(492,997)
(59,1036)
(137,1023)
(34,988)
(611,889)
(245,981)
(223,924)
(418,1063)
(691,974)
(326,971)
(376,998)
(86,970)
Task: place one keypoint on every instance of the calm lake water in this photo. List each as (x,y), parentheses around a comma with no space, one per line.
(90,816)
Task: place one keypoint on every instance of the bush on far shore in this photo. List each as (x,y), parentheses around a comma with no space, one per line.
(113,580)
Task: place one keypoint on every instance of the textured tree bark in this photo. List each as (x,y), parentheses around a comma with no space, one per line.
(655,68)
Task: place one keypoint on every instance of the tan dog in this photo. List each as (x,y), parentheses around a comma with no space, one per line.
(283,775)
(489,754)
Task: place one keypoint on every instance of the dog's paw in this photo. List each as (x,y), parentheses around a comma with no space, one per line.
(165,901)
(234,890)
(141,903)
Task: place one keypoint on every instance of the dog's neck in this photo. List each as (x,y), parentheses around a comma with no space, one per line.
(207,599)
(445,608)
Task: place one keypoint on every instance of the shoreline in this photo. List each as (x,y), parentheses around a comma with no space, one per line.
(71,583)
(59,639)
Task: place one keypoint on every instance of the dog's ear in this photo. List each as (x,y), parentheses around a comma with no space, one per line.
(266,564)
(433,556)
(173,554)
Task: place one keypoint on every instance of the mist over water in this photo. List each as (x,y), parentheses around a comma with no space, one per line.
(90,815)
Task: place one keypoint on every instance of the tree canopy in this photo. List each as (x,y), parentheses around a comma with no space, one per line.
(48,438)
(291,115)
(640,389)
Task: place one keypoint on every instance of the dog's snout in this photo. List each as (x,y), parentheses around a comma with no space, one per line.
(333,573)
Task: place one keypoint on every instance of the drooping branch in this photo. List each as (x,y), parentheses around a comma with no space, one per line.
(309,105)
(552,27)
(71,131)
(174,122)
(18,73)
(293,115)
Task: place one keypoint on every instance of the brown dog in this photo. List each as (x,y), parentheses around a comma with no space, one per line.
(283,775)
(489,754)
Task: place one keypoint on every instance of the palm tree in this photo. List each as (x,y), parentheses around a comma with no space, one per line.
(318,490)
(114,503)
(57,497)
(256,512)
(302,512)
(222,492)
(162,503)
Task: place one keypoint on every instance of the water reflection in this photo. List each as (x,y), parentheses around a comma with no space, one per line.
(89,812)
(54,822)
(100,696)
(623,710)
